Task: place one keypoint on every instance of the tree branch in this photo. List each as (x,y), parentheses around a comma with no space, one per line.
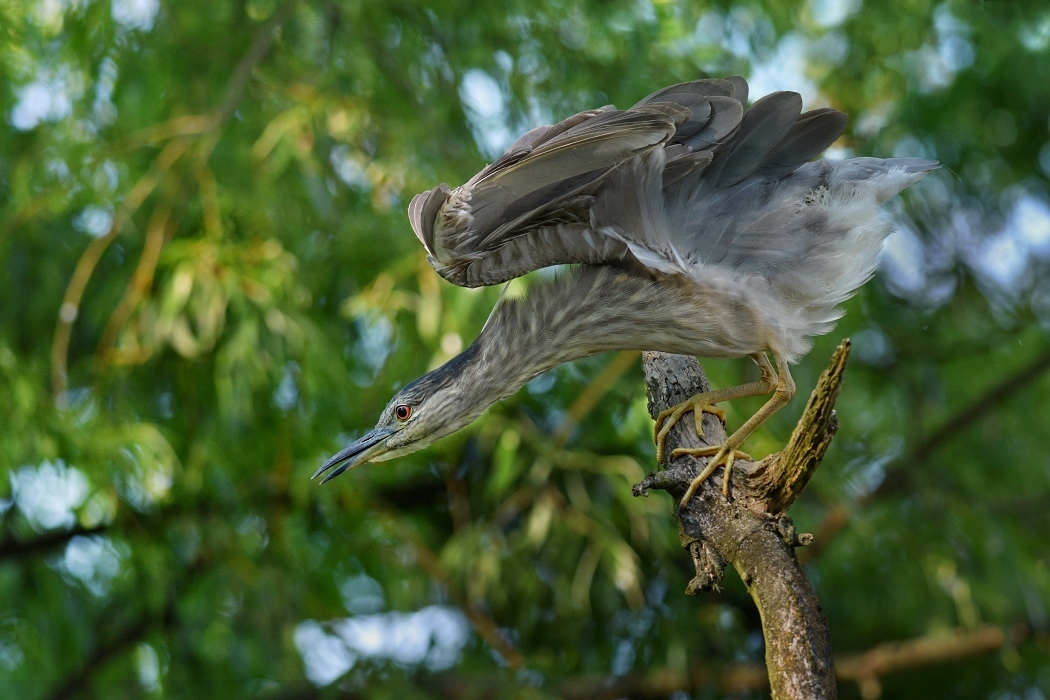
(100,655)
(750,531)
(15,549)
(977,409)
(838,516)
(209,125)
(864,669)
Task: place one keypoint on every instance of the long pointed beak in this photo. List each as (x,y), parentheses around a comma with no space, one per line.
(356,453)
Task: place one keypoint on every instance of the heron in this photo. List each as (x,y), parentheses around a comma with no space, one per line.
(691,224)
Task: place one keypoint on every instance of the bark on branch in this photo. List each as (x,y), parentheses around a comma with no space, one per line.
(751,531)
(864,669)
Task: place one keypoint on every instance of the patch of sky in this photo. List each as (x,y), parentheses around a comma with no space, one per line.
(903,262)
(94,562)
(1003,258)
(147,663)
(103,109)
(59,169)
(532,64)
(149,479)
(872,120)
(829,50)
(938,63)
(922,269)
(785,69)
(573,32)
(94,220)
(47,98)
(11,655)
(1044,159)
(375,342)
(873,347)
(1035,36)
(623,658)
(362,594)
(349,168)
(135,14)
(505,61)
(838,153)
(486,108)
(1030,219)
(912,147)
(432,637)
(50,14)
(832,13)
(709,30)
(541,384)
(286,395)
(865,474)
(747,33)
(252,528)
(955,49)
(106,178)
(48,494)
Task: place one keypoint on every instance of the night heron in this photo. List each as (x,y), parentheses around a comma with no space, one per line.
(698,227)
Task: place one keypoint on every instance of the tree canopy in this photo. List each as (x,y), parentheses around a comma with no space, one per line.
(210,286)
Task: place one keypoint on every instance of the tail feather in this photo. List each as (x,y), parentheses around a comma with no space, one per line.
(890,176)
(808,138)
(764,126)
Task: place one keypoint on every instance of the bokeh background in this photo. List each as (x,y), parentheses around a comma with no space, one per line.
(209,285)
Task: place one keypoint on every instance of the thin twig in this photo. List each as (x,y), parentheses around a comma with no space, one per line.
(865,669)
(141,280)
(77,681)
(15,549)
(70,308)
(980,407)
(838,516)
(260,46)
(201,124)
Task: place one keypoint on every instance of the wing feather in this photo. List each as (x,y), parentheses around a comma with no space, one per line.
(684,179)
(764,125)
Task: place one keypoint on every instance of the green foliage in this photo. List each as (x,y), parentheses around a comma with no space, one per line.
(211,286)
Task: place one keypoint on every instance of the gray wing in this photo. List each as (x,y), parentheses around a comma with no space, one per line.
(534,206)
(684,178)
(735,204)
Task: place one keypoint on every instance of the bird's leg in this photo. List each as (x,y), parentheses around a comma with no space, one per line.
(705,403)
(727,453)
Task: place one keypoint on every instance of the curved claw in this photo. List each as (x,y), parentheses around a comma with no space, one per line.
(669,418)
(722,454)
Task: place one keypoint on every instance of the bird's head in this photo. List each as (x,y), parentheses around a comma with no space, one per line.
(435,405)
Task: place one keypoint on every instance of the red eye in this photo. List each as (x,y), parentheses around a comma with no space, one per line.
(402,411)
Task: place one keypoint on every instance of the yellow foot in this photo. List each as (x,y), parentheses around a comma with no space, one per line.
(667,420)
(723,454)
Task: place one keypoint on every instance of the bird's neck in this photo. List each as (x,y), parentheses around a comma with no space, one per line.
(578,314)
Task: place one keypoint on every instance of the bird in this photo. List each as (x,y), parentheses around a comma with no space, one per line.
(688,224)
